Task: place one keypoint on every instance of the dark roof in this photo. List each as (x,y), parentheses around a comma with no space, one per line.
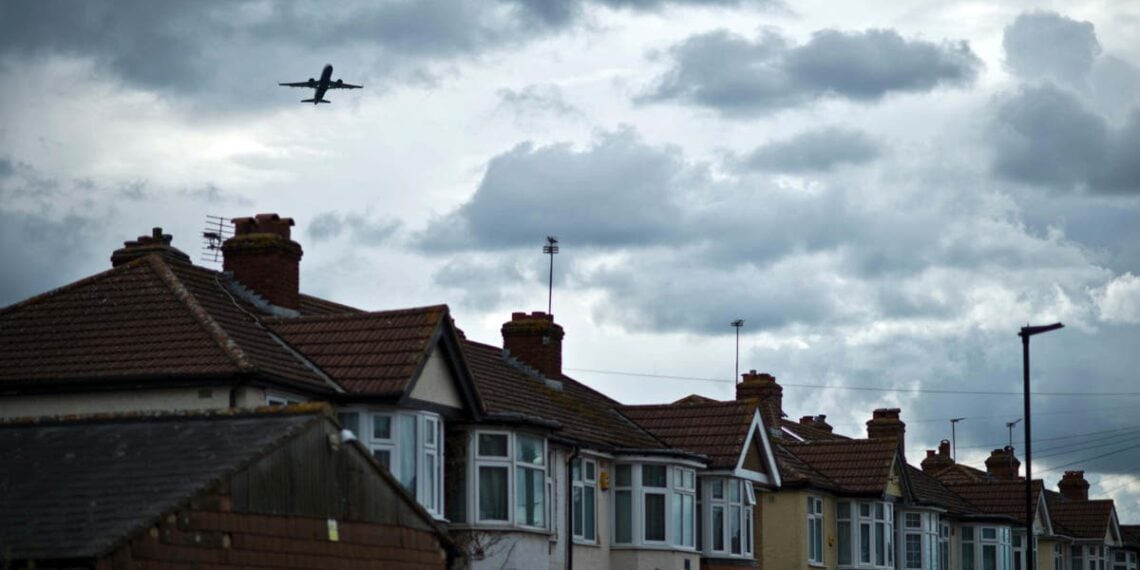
(997,497)
(929,491)
(584,414)
(73,489)
(146,318)
(795,472)
(1083,519)
(959,473)
(715,429)
(374,353)
(1130,534)
(854,466)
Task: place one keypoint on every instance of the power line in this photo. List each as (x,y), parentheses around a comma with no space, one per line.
(1035,414)
(1060,437)
(1083,445)
(860,388)
(1087,459)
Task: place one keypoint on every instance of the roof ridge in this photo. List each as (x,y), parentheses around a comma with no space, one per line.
(70,286)
(218,333)
(361,315)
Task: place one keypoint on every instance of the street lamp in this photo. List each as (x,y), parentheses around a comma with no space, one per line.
(1030,550)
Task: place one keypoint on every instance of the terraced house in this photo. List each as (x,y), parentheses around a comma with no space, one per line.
(500,459)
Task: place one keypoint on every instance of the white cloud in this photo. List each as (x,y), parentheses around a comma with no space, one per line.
(1119,300)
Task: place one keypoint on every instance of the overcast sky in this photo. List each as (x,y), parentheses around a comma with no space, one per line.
(884,192)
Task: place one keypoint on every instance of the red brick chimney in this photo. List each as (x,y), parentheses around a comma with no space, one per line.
(885,424)
(937,460)
(818,422)
(1073,486)
(263,258)
(1003,464)
(536,340)
(763,387)
(156,243)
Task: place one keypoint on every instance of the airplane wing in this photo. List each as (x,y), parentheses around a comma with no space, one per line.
(299,84)
(342,85)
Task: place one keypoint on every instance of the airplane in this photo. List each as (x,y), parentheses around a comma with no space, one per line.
(323,84)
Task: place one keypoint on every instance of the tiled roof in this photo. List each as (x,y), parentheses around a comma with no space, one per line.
(366,353)
(715,429)
(148,317)
(928,490)
(1130,533)
(809,433)
(959,473)
(795,472)
(856,466)
(997,497)
(584,414)
(1083,519)
(72,489)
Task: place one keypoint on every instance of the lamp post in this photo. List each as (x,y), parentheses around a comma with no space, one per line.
(1030,550)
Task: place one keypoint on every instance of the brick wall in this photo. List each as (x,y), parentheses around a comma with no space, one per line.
(199,539)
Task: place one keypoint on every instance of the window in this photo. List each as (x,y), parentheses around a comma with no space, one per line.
(409,444)
(584,473)
(1089,557)
(728,518)
(815,530)
(654,504)
(986,548)
(1058,556)
(281,400)
(944,547)
(506,461)
(921,547)
(865,534)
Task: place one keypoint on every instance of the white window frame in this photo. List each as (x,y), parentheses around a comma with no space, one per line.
(512,464)
(280,399)
(729,496)
(1092,556)
(680,484)
(428,488)
(927,532)
(878,518)
(982,536)
(585,484)
(815,530)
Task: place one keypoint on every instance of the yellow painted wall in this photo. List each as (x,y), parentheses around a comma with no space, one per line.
(784,530)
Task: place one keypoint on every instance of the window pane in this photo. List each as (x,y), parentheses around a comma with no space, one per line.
(381,427)
(718,528)
(880,546)
(748,531)
(678,520)
(718,488)
(912,520)
(844,541)
(989,556)
(429,431)
(865,543)
(968,555)
(623,511)
(734,529)
(865,510)
(591,519)
(879,513)
(429,482)
(576,471)
(493,444)
(528,500)
(493,493)
(690,482)
(967,533)
(989,533)
(734,490)
(407,452)
(688,515)
(623,475)
(913,548)
(590,467)
(655,516)
(844,510)
(653,475)
(528,450)
(578,511)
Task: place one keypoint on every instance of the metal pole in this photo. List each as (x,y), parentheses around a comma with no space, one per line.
(550,287)
(737,323)
(1028,546)
(954,438)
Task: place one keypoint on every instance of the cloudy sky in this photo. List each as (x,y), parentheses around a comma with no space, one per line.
(885,192)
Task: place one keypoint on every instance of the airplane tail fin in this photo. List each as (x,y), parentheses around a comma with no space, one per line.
(315,101)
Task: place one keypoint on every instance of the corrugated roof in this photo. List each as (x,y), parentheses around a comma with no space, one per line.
(374,353)
(73,489)
(584,414)
(715,429)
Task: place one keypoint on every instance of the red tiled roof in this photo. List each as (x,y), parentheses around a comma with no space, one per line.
(856,466)
(712,428)
(1083,519)
(148,317)
(929,490)
(959,473)
(997,497)
(584,414)
(374,353)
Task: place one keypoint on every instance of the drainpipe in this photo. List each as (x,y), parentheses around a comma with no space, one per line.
(570,508)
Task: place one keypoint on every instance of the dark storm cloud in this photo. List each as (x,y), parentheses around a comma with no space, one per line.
(1046,136)
(44,253)
(813,151)
(737,76)
(1049,45)
(362,229)
(617,192)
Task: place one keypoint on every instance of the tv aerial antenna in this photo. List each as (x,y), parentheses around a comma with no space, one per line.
(218,230)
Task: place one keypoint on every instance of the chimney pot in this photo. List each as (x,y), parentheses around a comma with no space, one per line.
(536,340)
(885,423)
(1073,486)
(156,243)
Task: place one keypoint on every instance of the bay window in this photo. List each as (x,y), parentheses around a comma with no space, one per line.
(1123,560)
(1089,557)
(409,444)
(727,516)
(815,530)
(920,540)
(584,473)
(654,505)
(510,479)
(865,534)
(986,548)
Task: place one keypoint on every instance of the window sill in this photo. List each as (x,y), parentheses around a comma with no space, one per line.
(665,547)
(591,544)
(501,527)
